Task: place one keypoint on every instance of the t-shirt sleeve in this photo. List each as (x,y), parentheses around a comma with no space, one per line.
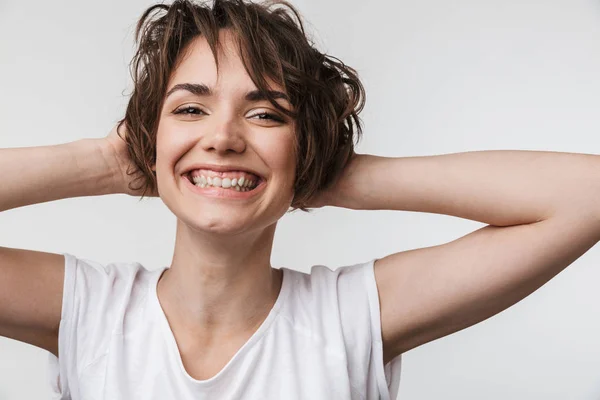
(88,291)
(358,306)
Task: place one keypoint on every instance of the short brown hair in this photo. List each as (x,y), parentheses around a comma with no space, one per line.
(326,95)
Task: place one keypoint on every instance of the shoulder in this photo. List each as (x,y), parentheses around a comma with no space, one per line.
(96,298)
(86,278)
(98,294)
(344,292)
(84,267)
(326,277)
(341,306)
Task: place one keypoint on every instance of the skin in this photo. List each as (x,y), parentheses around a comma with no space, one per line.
(221,285)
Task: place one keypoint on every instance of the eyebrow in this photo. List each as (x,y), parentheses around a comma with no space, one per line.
(200,89)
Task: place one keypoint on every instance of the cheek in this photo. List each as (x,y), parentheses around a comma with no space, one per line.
(282,160)
(280,150)
(171,142)
(162,146)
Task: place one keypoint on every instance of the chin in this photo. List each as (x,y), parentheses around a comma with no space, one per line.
(217,225)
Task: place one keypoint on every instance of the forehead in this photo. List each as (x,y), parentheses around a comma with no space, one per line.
(198,65)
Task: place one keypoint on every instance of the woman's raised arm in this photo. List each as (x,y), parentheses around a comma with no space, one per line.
(39,174)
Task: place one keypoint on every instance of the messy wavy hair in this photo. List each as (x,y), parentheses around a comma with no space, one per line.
(326,95)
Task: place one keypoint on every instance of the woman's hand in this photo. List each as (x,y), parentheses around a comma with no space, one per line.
(116,147)
(342,192)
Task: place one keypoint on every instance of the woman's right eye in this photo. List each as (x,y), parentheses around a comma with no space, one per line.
(188,110)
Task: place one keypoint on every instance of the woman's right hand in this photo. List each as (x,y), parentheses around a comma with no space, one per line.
(117,148)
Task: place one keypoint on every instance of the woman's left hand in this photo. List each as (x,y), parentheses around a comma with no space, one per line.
(340,193)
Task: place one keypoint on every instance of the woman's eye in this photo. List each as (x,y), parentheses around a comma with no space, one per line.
(267,116)
(190,110)
(187,110)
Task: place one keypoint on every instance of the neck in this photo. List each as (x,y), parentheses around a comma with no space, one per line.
(220,285)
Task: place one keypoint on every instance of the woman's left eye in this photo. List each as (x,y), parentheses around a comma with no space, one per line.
(267,116)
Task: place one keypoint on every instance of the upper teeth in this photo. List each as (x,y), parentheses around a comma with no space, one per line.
(240,184)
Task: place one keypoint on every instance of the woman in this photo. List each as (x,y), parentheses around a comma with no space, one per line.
(230,135)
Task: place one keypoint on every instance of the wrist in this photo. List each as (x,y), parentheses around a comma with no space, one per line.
(114,180)
(347,192)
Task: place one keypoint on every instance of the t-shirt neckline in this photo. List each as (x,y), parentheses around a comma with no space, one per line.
(258,334)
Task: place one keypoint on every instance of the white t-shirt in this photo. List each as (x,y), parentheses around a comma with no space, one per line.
(320,341)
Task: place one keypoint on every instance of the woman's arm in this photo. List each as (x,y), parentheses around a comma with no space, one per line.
(30,175)
(31,282)
(496,187)
(542,210)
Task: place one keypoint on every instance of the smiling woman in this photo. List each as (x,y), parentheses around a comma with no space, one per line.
(235,118)
(319,97)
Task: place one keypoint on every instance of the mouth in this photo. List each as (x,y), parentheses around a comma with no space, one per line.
(241,182)
(223,186)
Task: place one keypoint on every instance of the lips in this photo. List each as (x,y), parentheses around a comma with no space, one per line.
(227,193)
(246,181)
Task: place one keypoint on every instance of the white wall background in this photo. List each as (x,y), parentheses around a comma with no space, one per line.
(440,76)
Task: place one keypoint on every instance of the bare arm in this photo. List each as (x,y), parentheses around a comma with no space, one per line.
(31,282)
(496,187)
(543,213)
(40,174)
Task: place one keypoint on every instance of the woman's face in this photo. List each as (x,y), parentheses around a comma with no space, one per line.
(223,128)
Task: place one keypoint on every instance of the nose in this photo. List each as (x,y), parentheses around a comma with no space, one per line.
(223,136)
